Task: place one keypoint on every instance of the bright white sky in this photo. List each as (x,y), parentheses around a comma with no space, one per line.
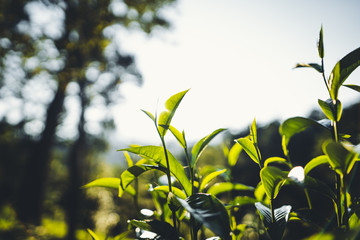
(237,57)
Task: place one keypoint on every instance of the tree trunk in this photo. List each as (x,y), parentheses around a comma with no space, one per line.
(76,159)
(30,200)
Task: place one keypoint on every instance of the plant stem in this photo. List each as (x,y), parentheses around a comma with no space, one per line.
(308,197)
(346,216)
(272,211)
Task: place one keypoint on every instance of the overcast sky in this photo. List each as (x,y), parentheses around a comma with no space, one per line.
(237,57)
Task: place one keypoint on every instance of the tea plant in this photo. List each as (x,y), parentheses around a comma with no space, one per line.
(187,204)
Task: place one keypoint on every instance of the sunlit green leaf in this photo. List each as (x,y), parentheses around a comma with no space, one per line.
(250,149)
(157,155)
(315,66)
(210,177)
(179,137)
(92,234)
(319,160)
(253,133)
(175,190)
(320,44)
(222,187)
(353,87)
(295,125)
(243,200)
(149,115)
(163,229)
(278,160)
(201,145)
(128,159)
(342,70)
(272,178)
(234,154)
(209,211)
(341,159)
(331,110)
(104,182)
(166,116)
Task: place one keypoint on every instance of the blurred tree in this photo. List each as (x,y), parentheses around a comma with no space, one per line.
(55,51)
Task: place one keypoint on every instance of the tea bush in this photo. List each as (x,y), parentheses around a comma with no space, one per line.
(287,203)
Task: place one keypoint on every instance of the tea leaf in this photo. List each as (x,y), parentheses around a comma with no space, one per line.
(149,114)
(163,229)
(331,110)
(272,178)
(104,182)
(166,116)
(179,137)
(234,154)
(342,70)
(157,155)
(222,187)
(175,190)
(319,160)
(295,125)
(315,66)
(320,44)
(341,159)
(249,148)
(275,229)
(201,145)
(209,211)
(276,160)
(92,234)
(210,177)
(352,86)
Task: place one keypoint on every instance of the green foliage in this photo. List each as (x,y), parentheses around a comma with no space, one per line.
(196,190)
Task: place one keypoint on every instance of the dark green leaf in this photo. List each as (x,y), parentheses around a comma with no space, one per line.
(315,66)
(157,155)
(275,229)
(332,110)
(272,178)
(163,229)
(209,211)
(320,44)
(200,146)
(318,186)
(342,70)
(222,187)
(352,86)
(341,159)
(166,116)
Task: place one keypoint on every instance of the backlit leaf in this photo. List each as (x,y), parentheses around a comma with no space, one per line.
(342,70)
(210,177)
(315,66)
(295,125)
(353,87)
(163,229)
(278,160)
(104,182)
(157,155)
(166,116)
(234,154)
(175,190)
(319,160)
(341,159)
(249,148)
(201,145)
(149,114)
(179,137)
(208,210)
(331,110)
(272,178)
(222,187)
(92,234)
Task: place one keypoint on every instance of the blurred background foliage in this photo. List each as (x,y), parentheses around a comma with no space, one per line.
(54,74)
